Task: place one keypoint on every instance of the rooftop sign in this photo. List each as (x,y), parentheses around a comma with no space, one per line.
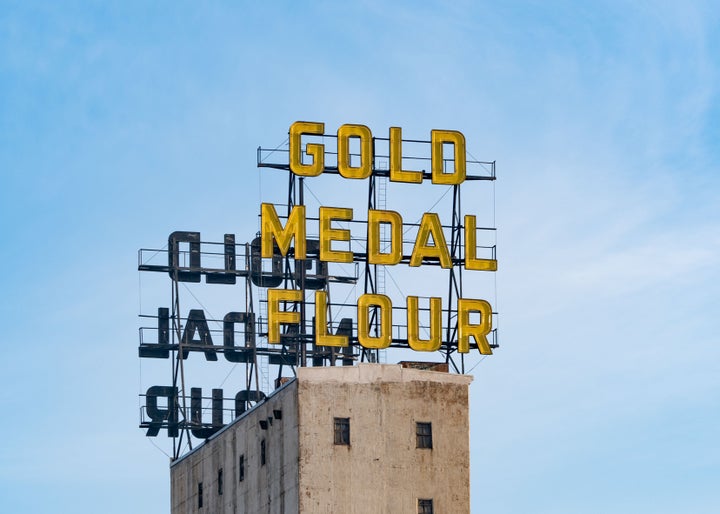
(289,320)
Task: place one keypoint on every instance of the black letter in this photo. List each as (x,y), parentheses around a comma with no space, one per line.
(259,278)
(161,349)
(225,278)
(196,413)
(229,321)
(196,321)
(157,416)
(247,395)
(174,256)
(319,279)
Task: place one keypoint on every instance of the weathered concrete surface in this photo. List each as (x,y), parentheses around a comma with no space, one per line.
(381,471)
(272,488)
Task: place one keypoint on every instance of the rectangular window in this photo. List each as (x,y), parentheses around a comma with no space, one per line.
(342,431)
(425,506)
(241,468)
(262,452)
(200,495)
(423,434)
(220,482)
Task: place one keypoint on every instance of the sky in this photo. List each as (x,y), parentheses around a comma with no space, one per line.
(121,122)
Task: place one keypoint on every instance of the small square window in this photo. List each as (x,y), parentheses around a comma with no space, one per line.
(425,506)
(220,482)
(423,434)
(241,468)
(262,452)
(200,495)
(342,431)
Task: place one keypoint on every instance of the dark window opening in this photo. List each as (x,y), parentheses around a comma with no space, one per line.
(423,433)
(342,431)
(200,495)
(241,468)
(262,452)
(425,506)
(220,482)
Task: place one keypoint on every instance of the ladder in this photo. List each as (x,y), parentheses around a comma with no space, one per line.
(382,183)
(262,360)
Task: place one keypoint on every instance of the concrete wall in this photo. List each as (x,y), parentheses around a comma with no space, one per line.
(382,471)
(272,488)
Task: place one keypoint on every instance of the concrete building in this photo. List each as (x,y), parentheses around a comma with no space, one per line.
(364,439)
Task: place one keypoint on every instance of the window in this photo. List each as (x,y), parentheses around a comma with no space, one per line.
(262,452)
(423,434)
(220,482)
(342,431)
(241,468)
(425,506)
(200,495)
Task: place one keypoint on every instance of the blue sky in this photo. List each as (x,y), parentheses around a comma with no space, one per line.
(123,121)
